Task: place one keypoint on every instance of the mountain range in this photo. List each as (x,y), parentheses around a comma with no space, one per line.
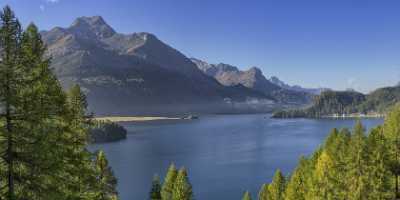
(254,79)
(137,73)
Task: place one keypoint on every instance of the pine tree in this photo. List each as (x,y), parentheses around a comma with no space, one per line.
(297,185)
(391,130)
(155,192)
(105,178)
(169,183)
(246,196)
(277,186)
(379,178)
(183,188)
(263,194)
(321,183)
(357,180)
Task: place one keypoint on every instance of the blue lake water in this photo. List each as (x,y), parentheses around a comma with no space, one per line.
(223,154)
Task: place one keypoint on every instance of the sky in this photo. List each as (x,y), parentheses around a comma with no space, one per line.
(338,44)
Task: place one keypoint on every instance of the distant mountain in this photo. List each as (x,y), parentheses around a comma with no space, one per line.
(348,102)
(135,73)
(316,91)
(252,78)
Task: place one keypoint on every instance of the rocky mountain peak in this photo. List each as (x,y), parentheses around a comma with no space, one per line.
(92,25)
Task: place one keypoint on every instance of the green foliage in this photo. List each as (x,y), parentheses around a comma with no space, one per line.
(182,187)
(346,102)
(106,131)
(246,196)
(43,131)
(263,194)
(169,183)
(106,181)
(350,165)
(155,192)
(277,186)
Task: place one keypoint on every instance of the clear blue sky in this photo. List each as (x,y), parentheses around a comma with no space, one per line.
(337,44)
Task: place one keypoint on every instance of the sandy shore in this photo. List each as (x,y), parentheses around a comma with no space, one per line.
(135,119)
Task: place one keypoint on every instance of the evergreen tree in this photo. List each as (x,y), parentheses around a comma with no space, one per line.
(277,186)
(321,183)
(391,130)
(379,177)
(247,196)
(297,185)
(357,176)
(105,178)
(155,192)
(263,194)
(169,183)
(183,188)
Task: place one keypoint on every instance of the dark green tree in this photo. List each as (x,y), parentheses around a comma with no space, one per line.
(155,192)
(107,183)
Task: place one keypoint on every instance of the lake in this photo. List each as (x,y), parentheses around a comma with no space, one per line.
(223,154)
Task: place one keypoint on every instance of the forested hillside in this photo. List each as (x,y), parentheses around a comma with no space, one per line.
(330,103)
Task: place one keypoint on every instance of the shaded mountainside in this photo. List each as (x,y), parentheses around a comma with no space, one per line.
(338,103)
(252,78)
(134,73)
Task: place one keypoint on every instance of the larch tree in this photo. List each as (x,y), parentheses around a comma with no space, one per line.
(183,188)
(169,182)
(263,194)
(246,196)
(155,192)
(277,186)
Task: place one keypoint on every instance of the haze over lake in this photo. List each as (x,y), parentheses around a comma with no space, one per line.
(224,154)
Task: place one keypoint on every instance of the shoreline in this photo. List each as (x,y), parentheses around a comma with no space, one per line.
(135,118)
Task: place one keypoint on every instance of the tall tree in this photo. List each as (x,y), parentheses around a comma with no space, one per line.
(246,196)
(296,188)
(263,194)
(11,80)
(155,192)
(105,178)
(391,130)
(277,186)
(183,188)
(169,182)
(357,176)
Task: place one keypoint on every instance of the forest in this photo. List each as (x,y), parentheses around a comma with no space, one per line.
(351,164)
(43,130)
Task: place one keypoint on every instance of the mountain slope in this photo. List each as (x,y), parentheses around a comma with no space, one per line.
(252,78)
(134,73)
(339,103)
(315,91)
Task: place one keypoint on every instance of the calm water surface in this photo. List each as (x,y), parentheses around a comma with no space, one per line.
(223,154)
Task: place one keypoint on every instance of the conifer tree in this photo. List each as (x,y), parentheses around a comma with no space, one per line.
(169,182)
(246,196)
(277,186)
(321,187)
(263,194)
(183,188)
(391,130)
(357,182)
(297,185)
(155,192)
(105,178)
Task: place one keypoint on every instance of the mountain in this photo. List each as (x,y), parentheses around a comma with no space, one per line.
(339,103)
(135,73)
(252,78)
(315,91)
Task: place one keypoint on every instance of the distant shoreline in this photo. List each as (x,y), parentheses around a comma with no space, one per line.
(134,119)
